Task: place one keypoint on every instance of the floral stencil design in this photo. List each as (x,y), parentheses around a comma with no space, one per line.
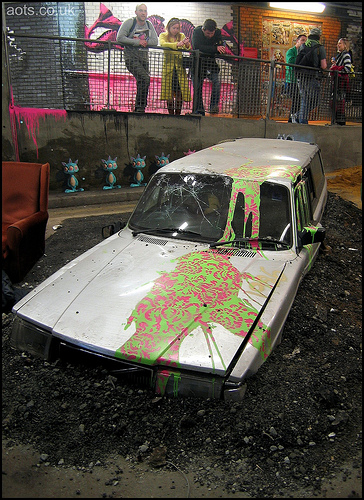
(201,291)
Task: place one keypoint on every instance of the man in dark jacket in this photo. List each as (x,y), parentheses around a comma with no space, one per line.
(208,40)
(311,54)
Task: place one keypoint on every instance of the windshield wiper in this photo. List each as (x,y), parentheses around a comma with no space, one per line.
(165,230)
(248,240)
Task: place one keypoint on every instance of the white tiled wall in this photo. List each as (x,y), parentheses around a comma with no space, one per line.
(193,11)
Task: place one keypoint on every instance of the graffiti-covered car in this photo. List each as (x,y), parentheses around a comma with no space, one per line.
(192,295)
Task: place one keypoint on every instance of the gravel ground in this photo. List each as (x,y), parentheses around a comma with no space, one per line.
(297,433)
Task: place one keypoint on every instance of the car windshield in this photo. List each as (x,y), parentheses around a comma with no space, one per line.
(199,207)
(194,206)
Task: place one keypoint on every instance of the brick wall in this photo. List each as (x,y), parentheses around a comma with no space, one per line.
(32,59)
(33,63)
(250,20)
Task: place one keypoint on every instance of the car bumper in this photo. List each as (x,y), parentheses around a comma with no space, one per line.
(33,339)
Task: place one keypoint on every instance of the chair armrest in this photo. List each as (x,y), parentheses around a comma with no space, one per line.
(26,228)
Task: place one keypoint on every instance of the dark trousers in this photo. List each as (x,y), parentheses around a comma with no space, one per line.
(207,69)
(294,93)
(340,109)
(310,96)
(138,65)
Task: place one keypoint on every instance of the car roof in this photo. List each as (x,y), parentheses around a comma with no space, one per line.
(248,158)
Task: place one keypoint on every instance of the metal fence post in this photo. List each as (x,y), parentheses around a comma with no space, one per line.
(108,73)
(195,77)
(334,97)
(7,63)
(270,87)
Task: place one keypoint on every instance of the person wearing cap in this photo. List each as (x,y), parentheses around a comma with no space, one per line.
(309,84)
(208,40)
(291,80)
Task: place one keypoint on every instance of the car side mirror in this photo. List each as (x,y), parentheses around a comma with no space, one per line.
(111,229)
(311,234)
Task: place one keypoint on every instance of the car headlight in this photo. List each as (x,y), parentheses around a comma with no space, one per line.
(30,338)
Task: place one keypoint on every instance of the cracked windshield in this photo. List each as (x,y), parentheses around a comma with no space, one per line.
(197,207)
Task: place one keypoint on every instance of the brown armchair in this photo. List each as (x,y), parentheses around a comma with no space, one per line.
(25,190)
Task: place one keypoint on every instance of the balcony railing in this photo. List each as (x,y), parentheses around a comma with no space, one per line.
(77,74)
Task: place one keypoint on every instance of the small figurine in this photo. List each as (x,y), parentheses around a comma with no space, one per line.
(189,152)
(138,163)
(285,137)
(70,169)
(109,166)
(162,160)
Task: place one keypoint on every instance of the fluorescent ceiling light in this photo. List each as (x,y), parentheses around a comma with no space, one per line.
(299,6)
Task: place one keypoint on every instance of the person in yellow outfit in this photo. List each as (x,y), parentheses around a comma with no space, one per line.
(175,89)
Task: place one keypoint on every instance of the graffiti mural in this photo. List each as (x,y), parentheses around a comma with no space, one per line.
(109,25)
(279,35)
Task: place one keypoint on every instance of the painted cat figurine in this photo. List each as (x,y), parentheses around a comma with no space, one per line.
(109,166)
(138,163)
(70,169)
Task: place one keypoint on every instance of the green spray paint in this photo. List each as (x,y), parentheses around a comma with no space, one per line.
(203,289)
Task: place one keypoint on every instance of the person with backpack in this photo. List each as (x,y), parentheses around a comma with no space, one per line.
(291,80)
(311,54)
(342,65)
(137,34)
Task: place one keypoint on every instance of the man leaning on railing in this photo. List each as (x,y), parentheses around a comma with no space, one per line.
(136,33)
(208,40)
(291,80)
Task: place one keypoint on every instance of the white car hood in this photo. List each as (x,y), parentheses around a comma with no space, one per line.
(157,301)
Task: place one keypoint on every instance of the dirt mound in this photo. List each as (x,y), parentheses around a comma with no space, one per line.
(347,183)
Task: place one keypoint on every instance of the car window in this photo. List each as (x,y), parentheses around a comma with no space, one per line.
(303,206)
(315,180)
(274,212)
(317,172)
(191,202)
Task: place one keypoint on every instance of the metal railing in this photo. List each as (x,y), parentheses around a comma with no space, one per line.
(77,74)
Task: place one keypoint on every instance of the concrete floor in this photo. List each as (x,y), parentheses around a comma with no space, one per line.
(58,215)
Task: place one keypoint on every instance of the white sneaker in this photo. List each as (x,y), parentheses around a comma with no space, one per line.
(294,118)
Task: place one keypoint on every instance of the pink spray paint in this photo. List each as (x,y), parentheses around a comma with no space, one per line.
(31,117)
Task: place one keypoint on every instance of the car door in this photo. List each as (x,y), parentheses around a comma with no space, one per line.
(303,219)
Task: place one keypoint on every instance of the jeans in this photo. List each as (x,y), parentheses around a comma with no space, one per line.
(138,64)
(294,94)
(207,69)
(310,97)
